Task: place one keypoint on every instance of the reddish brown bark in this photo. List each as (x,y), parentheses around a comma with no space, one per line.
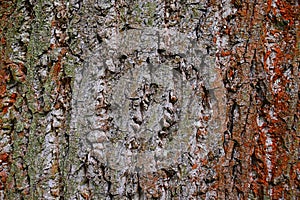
(260,67)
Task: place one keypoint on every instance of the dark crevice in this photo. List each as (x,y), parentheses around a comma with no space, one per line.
(231,117)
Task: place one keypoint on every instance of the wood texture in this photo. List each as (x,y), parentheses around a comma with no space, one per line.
(149,99)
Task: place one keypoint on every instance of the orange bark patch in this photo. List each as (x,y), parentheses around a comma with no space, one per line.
(3,176)
(3,41)
(194,166)
(288,12)
(225,53)
(52,46)
(13,96)
(2,89)
(4,157)
(56,70)
(53,23)
(269,4)
(54,168)
(214,40)
(63,51)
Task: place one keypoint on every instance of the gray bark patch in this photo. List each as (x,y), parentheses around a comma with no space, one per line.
(139,100)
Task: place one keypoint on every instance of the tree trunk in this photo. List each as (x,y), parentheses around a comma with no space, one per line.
(149,99)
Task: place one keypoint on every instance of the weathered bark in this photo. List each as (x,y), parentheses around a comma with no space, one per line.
(149,99)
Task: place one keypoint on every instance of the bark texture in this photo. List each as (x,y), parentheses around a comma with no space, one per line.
(149,99)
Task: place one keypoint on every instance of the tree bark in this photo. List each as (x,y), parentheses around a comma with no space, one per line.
(149,99)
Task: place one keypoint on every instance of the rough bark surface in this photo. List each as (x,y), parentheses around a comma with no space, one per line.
(149,99)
